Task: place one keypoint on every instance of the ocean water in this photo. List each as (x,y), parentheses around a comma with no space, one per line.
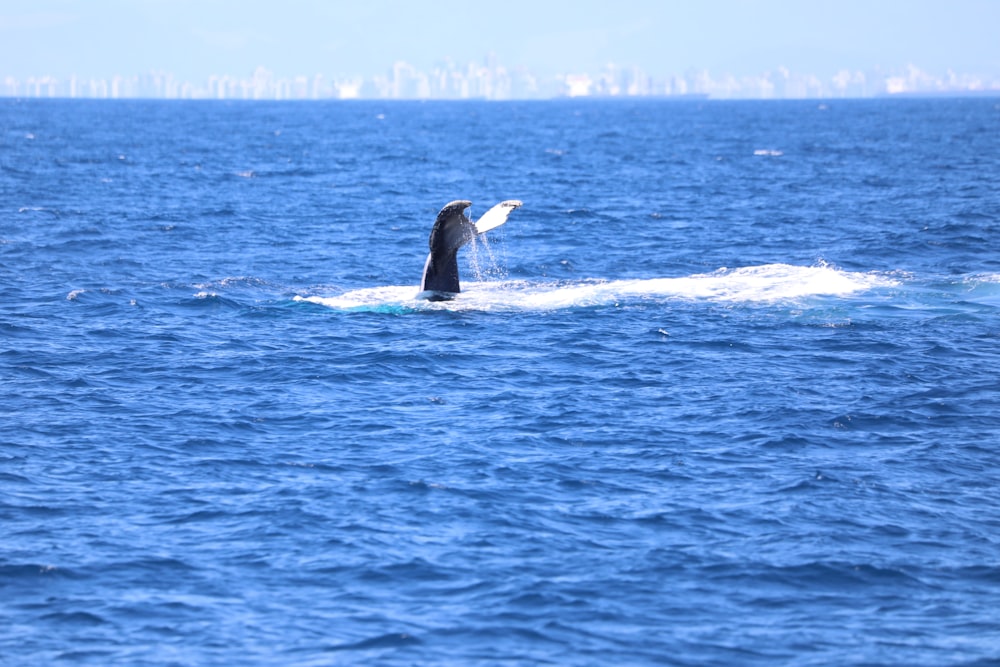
(724,391)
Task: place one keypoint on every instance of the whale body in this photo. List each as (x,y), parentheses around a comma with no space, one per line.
(453,229)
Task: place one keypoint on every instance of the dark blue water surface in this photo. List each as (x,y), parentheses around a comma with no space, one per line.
(724,391)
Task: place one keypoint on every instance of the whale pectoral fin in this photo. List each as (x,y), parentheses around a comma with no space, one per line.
(440,274)
(452,229)
(496,216)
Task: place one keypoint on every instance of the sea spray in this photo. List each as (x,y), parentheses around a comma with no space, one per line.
(487,257)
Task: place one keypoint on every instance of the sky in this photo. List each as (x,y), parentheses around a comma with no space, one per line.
(194,39)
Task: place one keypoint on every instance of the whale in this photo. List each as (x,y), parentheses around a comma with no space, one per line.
(453,229)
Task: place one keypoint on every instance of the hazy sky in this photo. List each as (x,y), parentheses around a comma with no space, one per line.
(196,38)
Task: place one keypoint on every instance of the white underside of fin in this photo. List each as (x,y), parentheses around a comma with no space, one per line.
(496,216)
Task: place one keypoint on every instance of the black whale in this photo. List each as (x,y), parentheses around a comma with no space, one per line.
(453,229)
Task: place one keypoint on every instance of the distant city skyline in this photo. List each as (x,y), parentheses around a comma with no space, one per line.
(491,80)
(196,39)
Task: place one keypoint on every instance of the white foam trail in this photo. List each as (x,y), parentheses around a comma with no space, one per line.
(767,283)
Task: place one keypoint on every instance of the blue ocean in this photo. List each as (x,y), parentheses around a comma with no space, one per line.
(724,391)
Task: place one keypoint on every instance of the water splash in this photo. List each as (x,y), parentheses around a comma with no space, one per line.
(769,283)
(487,259)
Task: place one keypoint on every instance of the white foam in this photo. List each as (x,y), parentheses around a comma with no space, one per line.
(766,283)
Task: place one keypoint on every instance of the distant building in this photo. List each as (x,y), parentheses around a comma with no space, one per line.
(578,85)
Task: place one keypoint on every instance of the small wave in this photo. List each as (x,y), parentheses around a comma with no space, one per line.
(40,209)
(766,283)
(74,618)
(29,570)
(394,640)
(982,288)
(993,278)
(769,152)
(211,300)
(231,281)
